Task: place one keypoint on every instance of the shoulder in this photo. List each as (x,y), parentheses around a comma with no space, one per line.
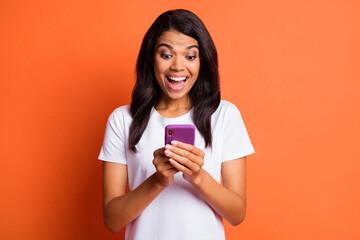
(122,111)
(226,104)
(120,114)
(226,114)
(226,107)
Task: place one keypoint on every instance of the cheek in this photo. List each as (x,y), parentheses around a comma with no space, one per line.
(195,69)
(159,68)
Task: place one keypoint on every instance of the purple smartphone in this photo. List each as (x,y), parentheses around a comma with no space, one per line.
(183,133)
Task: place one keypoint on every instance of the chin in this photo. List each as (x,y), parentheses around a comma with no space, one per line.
(175,96)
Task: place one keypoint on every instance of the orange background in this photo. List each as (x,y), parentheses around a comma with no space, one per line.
(291,67)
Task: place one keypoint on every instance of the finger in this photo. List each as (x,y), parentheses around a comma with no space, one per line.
(169,167)
(159,152)
(199,160)
(173,170)
(180,167)
(186,162)
(188,147)
(179,151)
(161,161)
(166,169)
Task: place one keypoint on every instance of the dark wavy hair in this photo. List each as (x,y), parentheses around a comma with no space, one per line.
(205,93)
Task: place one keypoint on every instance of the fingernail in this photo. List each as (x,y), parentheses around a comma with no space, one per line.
(167,152)
(167,146)
(174,142)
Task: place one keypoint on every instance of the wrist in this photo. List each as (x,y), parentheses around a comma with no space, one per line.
(199,179)
(158,183)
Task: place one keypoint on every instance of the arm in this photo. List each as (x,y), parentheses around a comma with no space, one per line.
(228,199)
(120,207)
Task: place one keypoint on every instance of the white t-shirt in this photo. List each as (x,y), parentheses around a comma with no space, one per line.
(179,212)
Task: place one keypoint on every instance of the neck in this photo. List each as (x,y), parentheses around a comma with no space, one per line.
(173,107)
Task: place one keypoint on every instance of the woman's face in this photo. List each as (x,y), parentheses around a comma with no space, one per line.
(176,64)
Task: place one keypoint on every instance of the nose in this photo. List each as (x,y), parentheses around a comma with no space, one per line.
(178,64)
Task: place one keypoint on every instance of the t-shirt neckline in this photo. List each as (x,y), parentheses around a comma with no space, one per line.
(174,119)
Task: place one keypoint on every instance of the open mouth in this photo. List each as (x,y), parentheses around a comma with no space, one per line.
(176,83)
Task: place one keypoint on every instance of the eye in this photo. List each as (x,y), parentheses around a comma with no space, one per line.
(165,56)
(191,58)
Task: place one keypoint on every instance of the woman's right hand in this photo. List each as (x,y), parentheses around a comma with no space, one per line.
(164,170)
(122,207)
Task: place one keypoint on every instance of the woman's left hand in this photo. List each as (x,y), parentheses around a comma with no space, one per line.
(188,159)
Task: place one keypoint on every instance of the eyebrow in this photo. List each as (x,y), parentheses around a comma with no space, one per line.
(171,47)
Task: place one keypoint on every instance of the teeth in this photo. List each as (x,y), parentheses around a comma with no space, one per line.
(177,78)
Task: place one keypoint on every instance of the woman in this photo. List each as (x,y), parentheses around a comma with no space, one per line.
(175,191)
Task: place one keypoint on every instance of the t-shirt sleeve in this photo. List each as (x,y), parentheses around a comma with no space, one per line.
(236,142)
(114,145)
